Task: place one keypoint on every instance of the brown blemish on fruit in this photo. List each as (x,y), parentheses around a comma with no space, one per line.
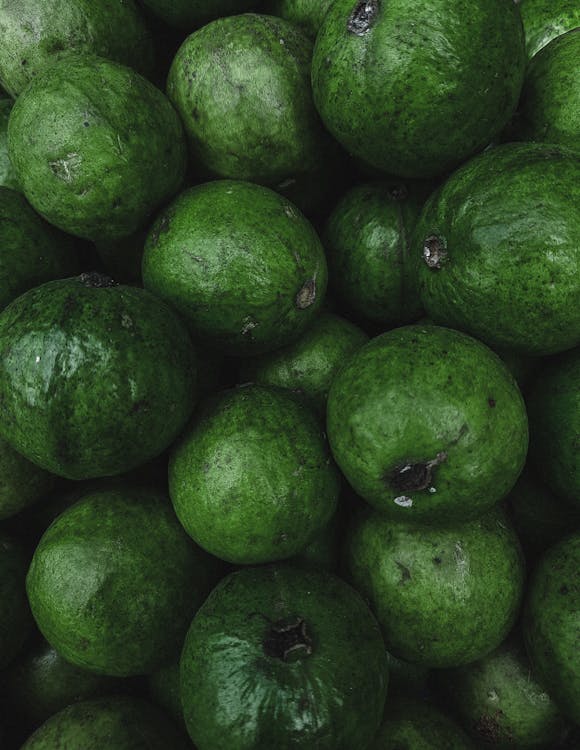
(362,17)
(307,295)
(405,572)
(491,402)
(434,252)
(287,638)
(414,477)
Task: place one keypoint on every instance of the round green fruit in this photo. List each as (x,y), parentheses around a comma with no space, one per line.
(21,482)
(545,20)
(308,14)
(96,379)
(279,657)
(496,249)
(7,174)
(96,148)
(15,619)
(252,481)
(443,596)
(187,14)
(240,263)
(427,424)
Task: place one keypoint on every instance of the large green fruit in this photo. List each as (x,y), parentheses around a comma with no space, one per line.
(242,87)
(96,148)
(443,596)
(95,379)
(427,424)
(544,20)
(415,88)
(114,582)
(241,264)
(551,627)
(187,14)
(15,619)
(114,723)
(286,659)
(253,481)
(308,14)
(21,482)
(497,249)
(7,174)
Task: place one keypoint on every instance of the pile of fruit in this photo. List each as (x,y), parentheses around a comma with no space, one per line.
(289,374)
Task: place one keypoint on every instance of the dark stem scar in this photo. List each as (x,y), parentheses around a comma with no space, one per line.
(287,638)
(434,252)
(362,17)
(414,477)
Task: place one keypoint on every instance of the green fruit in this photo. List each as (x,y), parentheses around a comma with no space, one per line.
(242,87)
(96,379)
(21,483)
(165,690)
(240,263)
(7,174)
(187,14)
(550,107)
(500,702)
(308,14)
(496,249)
(32,251)
(286,659)
(114,582)
(308,366)
(544,20)
(551,624)
(554,407)
(443,596)
(96,148)
(15,620)
(367,238)
(427,424)
(413,89)
(414,725)
(116,723)
(252,481)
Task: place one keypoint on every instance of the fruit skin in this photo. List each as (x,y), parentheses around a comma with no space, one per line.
(114,582)
(500,701)
(551,624)
(7,174)
(554,409)
(96,147)
(413,89)
(32,251)
(187,14)
(550,107)
(308,14)
(544,20)
(252,481)
(367,239)
(104,407)
(15,619)
(443,596)
(240,263)
(236,694)
(21,482)
(501,260)
(119,723)
(425,408)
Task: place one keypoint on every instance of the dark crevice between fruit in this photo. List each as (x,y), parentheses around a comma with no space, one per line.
(410,477)
(288,639)
(307,295)
(434,252)
(363,17)
(96,280)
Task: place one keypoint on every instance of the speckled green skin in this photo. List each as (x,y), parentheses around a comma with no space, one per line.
(414,725)
(546,19)
(367,241)
(116,723)
(187,14)
(35,34)
(15,619)
(443,596)
(551,626)
(420,87)
(165,689)
(236,695)
(499,700)
(419,394)
(510,225)
(96,147)
(114,582)
(554,408)
(7,174)
(308,14)
(32,251)
(93,381)
(21,483)
(308,366)
(241,264)
(550,107)
(242,87)
(252,481)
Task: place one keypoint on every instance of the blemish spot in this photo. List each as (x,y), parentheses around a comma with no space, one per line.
(564,589)
(363,17)
(415,476)
(307,295)
(65,168)
(248,325)
(405,572)
(403,501)
(434,252)
(491,402)
(37,359)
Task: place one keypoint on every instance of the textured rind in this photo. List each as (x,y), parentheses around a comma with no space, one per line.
(443,596)
(15,619)
(544,20)
(93,381)
(7,174)
(114,582)
(236,696)
(253,481)
(551,627)
(232,258)
(96,147)
(421,86)
(510,224)
(242,87)
(21,482)
(417,393)
(187,14)
(308,14)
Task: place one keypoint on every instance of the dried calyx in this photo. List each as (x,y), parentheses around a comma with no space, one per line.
(288,639)
(96,280)
(414,477)
(363,16)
